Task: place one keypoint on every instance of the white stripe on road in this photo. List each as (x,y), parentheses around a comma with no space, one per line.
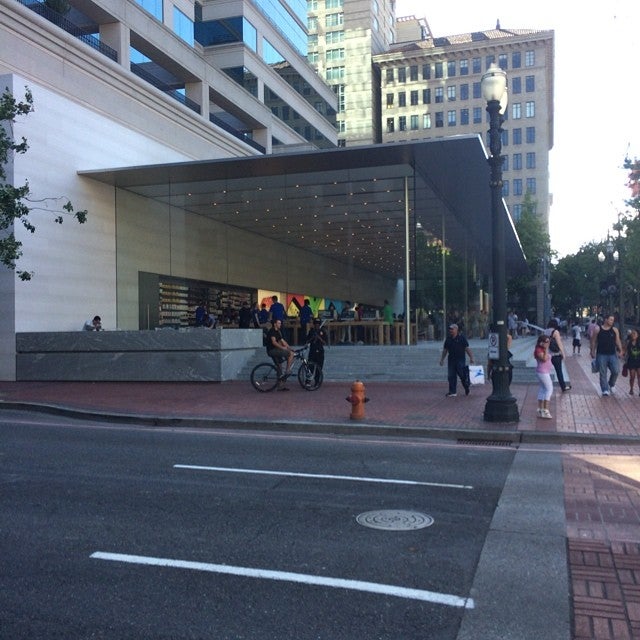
(321,476)
(286,576)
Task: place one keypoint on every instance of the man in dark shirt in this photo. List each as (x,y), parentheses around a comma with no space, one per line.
(244,316)
(278,348)
(606,348)
(456,346)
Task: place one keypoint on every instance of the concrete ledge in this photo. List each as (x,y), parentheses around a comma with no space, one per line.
(197,355)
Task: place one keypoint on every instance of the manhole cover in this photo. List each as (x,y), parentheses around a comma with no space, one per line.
(394,520)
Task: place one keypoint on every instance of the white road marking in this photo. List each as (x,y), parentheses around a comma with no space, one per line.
(321,476)
(286,576)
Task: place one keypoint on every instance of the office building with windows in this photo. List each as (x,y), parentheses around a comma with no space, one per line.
(430,88)
(343,37)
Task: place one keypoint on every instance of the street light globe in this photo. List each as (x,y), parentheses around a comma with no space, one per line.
(601,257)
(494,84)
(616,255)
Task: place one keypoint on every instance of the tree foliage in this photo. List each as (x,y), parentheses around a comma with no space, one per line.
(536,246)
(15,203)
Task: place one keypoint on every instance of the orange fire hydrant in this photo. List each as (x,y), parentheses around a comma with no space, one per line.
(357,400)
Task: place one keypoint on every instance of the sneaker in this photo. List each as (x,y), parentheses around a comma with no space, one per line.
(606,393)
(539,413)
(612,389)
(451,395)
(545,414)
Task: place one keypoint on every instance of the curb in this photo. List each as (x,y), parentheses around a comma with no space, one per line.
(482,437)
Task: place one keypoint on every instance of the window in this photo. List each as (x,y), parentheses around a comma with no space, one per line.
(516,85)
(414,122)
(402,74)
(334,54)
(154,7)
(312,5)
(390,125)
(413,73)
(505,188)
(517,135)
(530,109)
(516,61)
(402,99)
(332,4)
(531,185)
(312,23)
(517,212)
(489,60)
(505,163)
(426,72)
(313,57)
(439,69)
(477,90)
(476,65)
(390,75)
(414,98)
(426,121)
(529,58)
(477,115)
(531,135)
(464,67)
(517,187)
(390,100)
(439,94)
(464,91)
(333,19)
(451,93)
(338,89)
(516,110)
(531,160)
(517,161)
(504,136)
(183,26)
(312,40)
(530,84)
(402,123)
(335,37)
(451,69)
(502,61)
(426,96)
(334,73)
(451,118)
(464,116)
(439,119)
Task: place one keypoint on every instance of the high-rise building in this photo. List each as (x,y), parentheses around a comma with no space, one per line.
(343,37)
(430,88)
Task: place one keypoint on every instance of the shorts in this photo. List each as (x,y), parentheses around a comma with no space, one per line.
(577,342)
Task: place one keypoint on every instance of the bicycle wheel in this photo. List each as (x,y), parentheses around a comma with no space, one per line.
(264,377)
(310,376)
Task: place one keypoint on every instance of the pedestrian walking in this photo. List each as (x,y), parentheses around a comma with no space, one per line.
(543,371)
(606,348)
(556,348)
(576,330)
(632,362)
(457,348)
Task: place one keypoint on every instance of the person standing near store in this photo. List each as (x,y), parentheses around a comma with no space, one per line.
(277,312)
(606,347)
(317,339)
(577,335)
(244,316)
(457,347)
(556,348)
(306,318)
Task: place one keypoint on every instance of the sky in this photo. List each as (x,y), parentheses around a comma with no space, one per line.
(592,131)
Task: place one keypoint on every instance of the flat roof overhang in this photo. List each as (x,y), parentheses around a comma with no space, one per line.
(345,204)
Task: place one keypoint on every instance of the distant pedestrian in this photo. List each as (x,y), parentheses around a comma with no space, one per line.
(577,338)
(457,348)
(543,371)
(633,360)
(606,348)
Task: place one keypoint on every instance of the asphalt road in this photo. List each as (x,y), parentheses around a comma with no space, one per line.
(111,531)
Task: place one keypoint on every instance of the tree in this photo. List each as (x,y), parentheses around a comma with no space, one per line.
(536,245)
(15,204)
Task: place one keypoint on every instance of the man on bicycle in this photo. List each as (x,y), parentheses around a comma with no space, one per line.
(277,348)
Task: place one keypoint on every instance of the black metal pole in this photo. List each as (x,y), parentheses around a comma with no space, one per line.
(501,406)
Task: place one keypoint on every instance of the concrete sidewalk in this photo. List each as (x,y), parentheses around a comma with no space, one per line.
(598,437)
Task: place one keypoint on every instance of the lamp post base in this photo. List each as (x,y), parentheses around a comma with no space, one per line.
(501,409)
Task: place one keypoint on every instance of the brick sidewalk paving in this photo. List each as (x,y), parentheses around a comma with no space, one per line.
(602,509)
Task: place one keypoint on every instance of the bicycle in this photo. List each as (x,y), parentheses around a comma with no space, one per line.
(266,375)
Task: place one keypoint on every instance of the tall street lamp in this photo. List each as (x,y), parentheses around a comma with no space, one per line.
(501,406)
